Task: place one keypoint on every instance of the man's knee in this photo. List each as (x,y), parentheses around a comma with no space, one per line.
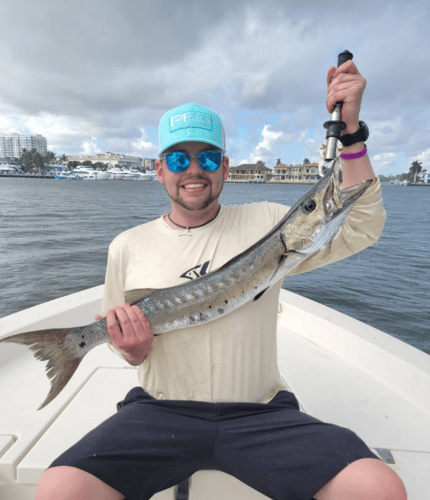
(385,484)
(69,482)
(365,479)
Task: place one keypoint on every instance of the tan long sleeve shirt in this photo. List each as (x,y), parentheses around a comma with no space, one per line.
(233,358)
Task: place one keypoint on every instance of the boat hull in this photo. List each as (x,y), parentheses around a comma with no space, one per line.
(341,370)
(90,174)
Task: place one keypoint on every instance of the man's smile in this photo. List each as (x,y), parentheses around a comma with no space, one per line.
(195,185)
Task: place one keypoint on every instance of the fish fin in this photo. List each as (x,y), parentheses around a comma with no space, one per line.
(260,294)
(133,296)
(49,345)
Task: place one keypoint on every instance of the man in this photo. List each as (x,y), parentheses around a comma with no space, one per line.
(211,397)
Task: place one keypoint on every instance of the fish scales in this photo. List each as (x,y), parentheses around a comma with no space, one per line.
(206,299)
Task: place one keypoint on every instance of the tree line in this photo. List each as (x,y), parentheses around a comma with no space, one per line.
(33,161)
(413,176)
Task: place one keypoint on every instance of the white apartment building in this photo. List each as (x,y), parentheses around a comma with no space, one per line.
(11,145)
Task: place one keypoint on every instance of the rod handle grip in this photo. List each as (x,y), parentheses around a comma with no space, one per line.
(335,126)
(343,57)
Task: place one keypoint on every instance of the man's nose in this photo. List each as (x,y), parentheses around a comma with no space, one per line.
(194,164)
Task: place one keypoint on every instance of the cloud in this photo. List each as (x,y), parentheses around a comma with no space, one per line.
(90,147)
(382,162)
(263,150)
(269,139)
(142,146)
(424,158)
(111,69)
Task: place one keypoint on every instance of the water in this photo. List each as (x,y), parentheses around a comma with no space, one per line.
(54,237)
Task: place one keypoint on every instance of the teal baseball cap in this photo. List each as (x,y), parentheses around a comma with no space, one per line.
(191,122)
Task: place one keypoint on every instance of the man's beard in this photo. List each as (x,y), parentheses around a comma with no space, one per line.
(190,205)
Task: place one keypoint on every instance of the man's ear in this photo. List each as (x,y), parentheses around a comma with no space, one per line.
(226,167)
(159,171)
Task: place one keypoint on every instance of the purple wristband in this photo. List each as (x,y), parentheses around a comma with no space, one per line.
(354,156)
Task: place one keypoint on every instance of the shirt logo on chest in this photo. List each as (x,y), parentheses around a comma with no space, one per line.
(196,271)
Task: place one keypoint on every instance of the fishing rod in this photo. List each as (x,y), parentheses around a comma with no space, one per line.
(335,125)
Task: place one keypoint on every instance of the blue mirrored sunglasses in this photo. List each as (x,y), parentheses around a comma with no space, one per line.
(178,161)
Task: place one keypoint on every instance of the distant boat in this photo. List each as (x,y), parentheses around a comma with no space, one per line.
(136,175)
(116,173)
(130,175)
(70,177)
(88,173)
(147,176)
(6,169)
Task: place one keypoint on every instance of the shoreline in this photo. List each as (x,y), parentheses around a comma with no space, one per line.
(52,177)
(29,176)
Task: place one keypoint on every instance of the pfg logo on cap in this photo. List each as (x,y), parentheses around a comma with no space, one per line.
(190,120)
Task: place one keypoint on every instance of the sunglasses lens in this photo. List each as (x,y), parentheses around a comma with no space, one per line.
(210,160)
(177,161)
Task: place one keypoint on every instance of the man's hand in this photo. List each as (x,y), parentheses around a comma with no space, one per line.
(347,85)
(133,336)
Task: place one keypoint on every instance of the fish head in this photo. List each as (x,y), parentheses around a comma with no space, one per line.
(317,216)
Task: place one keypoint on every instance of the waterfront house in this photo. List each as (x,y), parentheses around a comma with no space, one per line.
(258,172)
(426,177)
(302,174)
(254,172)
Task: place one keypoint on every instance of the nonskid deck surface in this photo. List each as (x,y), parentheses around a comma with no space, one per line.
(341,371)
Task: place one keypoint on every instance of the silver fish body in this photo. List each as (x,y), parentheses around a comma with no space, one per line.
(308,227)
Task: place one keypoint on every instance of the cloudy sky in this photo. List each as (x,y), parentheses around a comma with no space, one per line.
(95,76)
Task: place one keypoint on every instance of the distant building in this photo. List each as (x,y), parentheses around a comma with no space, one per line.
(8,167)
(254,172)
(149,163)
(11,145)
(132,162)
(258,172)
(426,177)
(296,173)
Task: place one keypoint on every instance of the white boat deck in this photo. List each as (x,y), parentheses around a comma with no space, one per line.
(341,371)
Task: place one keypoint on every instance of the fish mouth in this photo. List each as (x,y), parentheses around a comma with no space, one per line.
(338,200)
(349,195)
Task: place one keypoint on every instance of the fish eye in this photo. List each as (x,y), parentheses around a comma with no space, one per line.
(309,206)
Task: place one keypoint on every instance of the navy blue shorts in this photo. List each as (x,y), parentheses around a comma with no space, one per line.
(151,445)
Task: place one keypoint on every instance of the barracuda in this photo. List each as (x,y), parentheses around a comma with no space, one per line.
(310,224)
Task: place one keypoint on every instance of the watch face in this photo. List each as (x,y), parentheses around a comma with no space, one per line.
(360,135)
(364,130)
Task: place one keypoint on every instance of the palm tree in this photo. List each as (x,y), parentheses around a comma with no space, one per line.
(62,159)
(25,160)
(306,162)
(50,158)
(32,160)
(38,160)
(414,170)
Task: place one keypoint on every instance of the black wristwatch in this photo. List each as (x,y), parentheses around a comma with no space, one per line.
(361,135)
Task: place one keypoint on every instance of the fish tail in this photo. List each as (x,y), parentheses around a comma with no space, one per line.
(50,346)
